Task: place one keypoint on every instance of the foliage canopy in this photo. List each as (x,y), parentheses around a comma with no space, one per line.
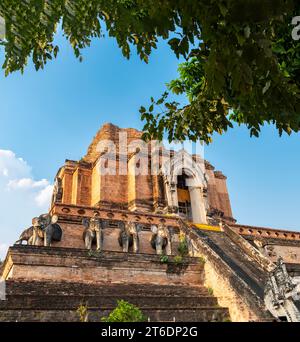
(242,64)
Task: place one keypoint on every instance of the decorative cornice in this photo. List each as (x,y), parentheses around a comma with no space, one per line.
(76,213)
(266,232)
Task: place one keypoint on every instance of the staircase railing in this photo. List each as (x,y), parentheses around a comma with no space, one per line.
(250,250)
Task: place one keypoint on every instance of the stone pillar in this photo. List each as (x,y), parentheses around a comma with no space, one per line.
(159,200)
(212,192)
(198,204)
(67,180)
(67,183)
(81,190)
(174,197)
(140,188)
(223,195)
(96,186)
(171,194)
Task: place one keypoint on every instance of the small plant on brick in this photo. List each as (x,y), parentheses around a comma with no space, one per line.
(94,254)
(227,320)
(183,248)
(82,311)
(125,312)
(210,291)
(178,259)
(202,260)
(164,259)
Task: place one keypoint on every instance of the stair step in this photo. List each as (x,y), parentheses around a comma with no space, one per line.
(109,302)
(190,315)
(157,315)
(69,289)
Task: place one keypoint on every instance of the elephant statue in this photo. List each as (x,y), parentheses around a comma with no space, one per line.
(93,232)
(129,236)
(45,228)
(27,235)
(52,231)
(43,231)
(30,234)
(161,239)
(57,191)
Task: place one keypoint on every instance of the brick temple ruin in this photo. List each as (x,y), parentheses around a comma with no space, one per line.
(154,227)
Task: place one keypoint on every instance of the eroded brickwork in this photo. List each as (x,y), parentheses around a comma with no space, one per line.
(85,183)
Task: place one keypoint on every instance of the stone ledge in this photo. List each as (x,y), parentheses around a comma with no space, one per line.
(21,287)
(161,315)
(75,265)
(75,213)
(83,253)
(53,302)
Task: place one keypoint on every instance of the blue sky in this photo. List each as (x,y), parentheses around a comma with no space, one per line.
(51,115)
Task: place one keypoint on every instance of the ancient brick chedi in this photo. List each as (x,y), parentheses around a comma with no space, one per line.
(135,187)
(137,221)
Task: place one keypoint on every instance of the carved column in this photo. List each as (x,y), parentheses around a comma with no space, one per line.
(198,204)
(171,194)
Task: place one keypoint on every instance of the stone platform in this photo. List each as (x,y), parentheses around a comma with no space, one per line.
(79,265)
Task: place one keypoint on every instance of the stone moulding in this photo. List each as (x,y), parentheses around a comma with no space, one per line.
(74,213)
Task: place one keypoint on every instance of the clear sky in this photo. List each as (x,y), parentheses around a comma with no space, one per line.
(52,115)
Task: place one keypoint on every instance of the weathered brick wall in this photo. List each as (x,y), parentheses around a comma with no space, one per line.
(73,238)
(227,296)
(58,264)
(114,191)
(290,254)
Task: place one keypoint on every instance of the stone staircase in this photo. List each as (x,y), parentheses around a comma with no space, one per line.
(58,301)
(179,295)
(237,279)
(247,269)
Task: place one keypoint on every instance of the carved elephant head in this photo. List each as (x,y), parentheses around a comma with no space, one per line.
(46,219)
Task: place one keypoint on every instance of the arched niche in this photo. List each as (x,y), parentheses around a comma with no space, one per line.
(183,163)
